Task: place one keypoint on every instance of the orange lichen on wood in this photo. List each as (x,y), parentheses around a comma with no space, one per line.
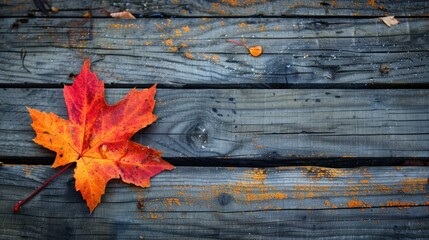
(178,32)
(233,3)
(413,185)
(186,29)
(188,55)
(400,205)
(170,202)
(354,203)
(123,26)
(215,58)
(256,174)
(364,181)
(372,3)
(265,196)
(320,172)
(168,42)
(173,49)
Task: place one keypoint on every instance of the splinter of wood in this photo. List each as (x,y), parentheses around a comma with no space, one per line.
(255,51)
(20,203)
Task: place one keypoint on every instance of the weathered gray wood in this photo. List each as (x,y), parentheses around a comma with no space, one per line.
(251,123)
(194,51)
(224,203)
(189,8)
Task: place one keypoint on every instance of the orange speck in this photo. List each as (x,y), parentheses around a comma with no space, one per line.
(186,29)
(178,32)
(222,23)
(310,195)
(173,49)
(203,27)
(242,25)
(147,43)
(259,146)
(233,3)
(184,45)
(372,3)
(168,42)
(259,175)
(189,55)
(159,26)
(364,181)
(216,58)
(400,205)
(265,196)
(327,203)
(354,203)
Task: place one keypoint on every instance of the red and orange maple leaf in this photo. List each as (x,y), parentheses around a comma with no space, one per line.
(97,136)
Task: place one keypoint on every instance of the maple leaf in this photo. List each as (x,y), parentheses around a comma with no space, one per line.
(97,136)
(390,21)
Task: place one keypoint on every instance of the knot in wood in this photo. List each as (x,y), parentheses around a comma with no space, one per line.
(224,199)
(197,136)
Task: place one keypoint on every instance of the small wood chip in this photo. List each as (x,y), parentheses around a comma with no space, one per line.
(54,9)
(384,68)
(87,15)
(123,15)
(390,20)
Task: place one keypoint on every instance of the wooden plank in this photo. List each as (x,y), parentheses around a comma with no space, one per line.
(224,8)
(226,203)
(251,123)
(176,52)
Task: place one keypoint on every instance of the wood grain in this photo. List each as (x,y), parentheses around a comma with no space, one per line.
(251,123)
(223,8)
(225,203)
(309,52)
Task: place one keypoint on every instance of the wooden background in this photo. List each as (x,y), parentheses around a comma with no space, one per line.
(315,138)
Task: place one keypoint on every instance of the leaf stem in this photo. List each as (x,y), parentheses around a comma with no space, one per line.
(20,203)
(237,42)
